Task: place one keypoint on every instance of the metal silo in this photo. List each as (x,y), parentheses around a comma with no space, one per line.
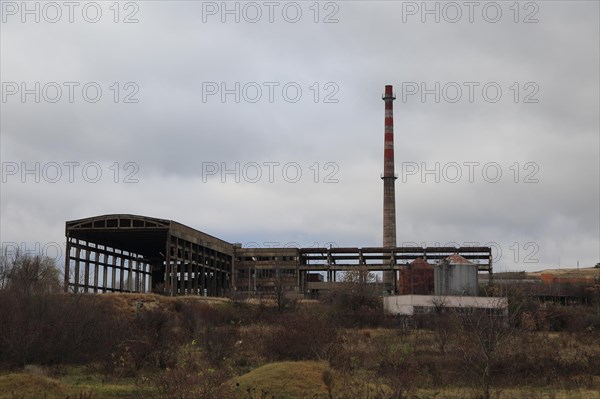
(455,275)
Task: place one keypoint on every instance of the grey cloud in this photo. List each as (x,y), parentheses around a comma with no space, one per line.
(171,131)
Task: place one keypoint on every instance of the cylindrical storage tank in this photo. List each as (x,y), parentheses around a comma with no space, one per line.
(455,275)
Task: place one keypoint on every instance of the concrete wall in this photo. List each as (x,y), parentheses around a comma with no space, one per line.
(405,304)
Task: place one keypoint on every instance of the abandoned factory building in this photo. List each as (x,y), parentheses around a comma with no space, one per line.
(132,253)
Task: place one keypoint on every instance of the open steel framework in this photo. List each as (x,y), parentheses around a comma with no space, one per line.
(130,253)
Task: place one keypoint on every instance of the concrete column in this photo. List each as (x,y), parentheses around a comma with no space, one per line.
(67,264)
(190,271)
(175,262)
(96,270)
(105,271)
(113,283)
(86,277)
(77,263)
(130,276)
(121,272)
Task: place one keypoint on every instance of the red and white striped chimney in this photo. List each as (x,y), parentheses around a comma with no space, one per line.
(389,182)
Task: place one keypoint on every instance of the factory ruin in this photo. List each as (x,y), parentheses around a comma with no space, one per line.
(133,253)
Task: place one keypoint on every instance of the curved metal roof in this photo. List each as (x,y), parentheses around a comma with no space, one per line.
(139,234)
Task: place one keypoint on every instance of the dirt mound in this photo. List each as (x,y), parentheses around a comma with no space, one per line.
(284,380)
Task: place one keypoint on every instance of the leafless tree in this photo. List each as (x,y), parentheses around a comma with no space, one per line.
(5,269)
(283,281)
(355,299)
(29,274)
(482,333)
(441,323)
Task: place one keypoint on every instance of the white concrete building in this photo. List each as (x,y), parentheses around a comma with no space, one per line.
(422,304)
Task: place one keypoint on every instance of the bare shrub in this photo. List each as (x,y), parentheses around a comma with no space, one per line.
(247,351)
(481,338)
(397,367)
(301,336)
(152,341)
(355,302)
(352,386)
(192,377)
(215,329)
(52,329)
(42,326)
(328,379)
(218,342)
(385,363)
(351,353)
(442,324)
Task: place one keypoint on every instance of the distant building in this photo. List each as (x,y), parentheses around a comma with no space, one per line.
(134,253)
(455,284)
(409,305)
(315,278)
(550,278)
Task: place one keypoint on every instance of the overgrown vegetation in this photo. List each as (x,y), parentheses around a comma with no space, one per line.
(120,345)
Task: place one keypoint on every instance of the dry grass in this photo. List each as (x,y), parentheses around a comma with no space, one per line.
(130,302)
(22,385)
(581,272)
(300,380)
(259,344)
(75,383)
(510,393)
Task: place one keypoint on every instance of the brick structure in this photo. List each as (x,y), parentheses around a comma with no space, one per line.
(416,279)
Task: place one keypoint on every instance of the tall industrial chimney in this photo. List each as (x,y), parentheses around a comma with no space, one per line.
(389,183)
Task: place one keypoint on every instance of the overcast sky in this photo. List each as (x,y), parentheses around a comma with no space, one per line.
(262,122)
